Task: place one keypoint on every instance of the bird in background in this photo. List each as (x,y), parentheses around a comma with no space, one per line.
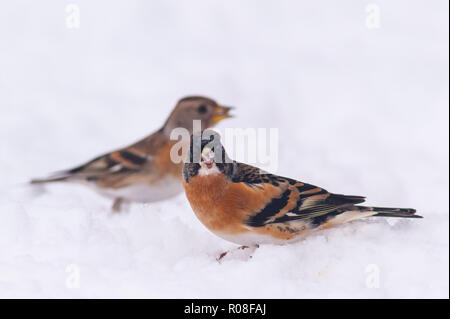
(144,171)
(247,206)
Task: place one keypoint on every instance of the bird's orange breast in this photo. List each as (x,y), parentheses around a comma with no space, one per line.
(208,198)
(223,206)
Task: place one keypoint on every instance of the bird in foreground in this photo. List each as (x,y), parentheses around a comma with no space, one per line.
(144,171)
(247,206)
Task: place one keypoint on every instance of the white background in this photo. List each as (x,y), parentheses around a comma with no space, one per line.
(360,111)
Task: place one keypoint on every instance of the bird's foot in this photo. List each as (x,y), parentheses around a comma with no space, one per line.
(237,252)
(118,205)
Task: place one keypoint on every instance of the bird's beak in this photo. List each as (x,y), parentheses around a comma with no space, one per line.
(221,113)
(208,157)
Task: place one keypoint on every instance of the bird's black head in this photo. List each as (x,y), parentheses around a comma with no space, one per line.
(206,156)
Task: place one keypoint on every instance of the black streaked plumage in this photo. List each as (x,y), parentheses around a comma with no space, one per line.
(271,209)
(133,158)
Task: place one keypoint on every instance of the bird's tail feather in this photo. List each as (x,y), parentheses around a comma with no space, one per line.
(390,212)
(57,177)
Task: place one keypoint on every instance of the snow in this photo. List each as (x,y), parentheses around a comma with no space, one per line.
(359,111)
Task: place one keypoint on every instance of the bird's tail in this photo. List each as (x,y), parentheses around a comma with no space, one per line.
(56,177)
(389,211)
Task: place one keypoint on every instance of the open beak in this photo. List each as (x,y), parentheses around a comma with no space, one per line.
(221,113)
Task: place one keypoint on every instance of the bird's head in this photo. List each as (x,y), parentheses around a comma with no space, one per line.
(191,108)
(206,156)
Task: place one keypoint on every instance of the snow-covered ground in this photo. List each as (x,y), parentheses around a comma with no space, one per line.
(360,111)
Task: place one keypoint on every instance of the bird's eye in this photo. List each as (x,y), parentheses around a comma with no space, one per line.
(201,109)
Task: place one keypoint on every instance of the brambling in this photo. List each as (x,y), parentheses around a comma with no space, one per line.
(143,171)
(247,206)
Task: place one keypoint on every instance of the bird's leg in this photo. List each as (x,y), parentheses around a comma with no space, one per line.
(239,248)
(222,255)
(117,205)
(226,252)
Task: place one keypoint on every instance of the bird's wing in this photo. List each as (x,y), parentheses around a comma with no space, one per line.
(117,162)
(112,168)
(127,160)
(288,199)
